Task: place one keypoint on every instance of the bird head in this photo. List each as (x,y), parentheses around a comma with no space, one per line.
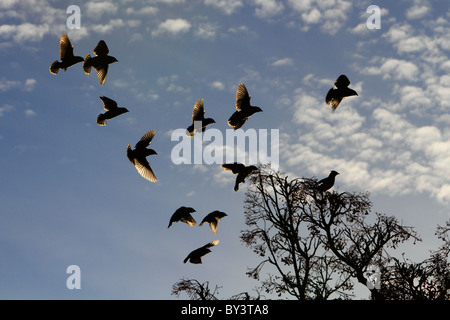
(209,121)
(334,173)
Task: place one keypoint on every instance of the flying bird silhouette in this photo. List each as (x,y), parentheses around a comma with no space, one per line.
(241,170)
(112,111)
(328,182)
(199,122)
(196,255)
(339,92)
(100,62)
(66,56)
(243,108)
(137,156)
(213,218)
(183,214)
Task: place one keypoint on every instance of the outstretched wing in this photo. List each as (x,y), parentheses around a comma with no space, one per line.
(108,104)
(198,111)
(101,49)
(144,169)
(145,140)
(242,97)
(65,47)
(102,71)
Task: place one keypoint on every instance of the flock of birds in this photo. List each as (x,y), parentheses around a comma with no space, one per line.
(138,155)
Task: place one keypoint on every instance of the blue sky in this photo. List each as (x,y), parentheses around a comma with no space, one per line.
(70,196)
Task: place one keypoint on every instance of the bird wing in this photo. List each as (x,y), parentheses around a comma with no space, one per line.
(242,97)
(213,226)
(187,218)
(65,47)
(102,71)
(233,167)
(144,169)
(329,96)
(211,244)
(342,81)
(145,140)
(108,104)
(198,111)
(101,49)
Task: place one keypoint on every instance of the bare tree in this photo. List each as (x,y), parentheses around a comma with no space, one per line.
(426,280)
(316,241)
(195,290)
(313,244)
(201,291)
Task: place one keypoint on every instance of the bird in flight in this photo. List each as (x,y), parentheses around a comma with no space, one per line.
(213,218)
(183,214)
(328,182)
(243,108)
(241,170)
(66,56)
(199,122)
(100,62)
(112,111)
(339,92)
(196,255)
(138,156)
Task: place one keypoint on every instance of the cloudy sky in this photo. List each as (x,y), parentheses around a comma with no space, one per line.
(69,195)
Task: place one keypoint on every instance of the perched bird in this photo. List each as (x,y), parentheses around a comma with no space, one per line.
(100,62)
(213,218)
(66,56)
(112,111)
(339,92)
(196,255)
(138,155)
(243,108)
(241,170)
(183,214)
(326,183)
(198,114)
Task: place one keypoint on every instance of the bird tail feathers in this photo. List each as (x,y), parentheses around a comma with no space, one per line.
(54,68)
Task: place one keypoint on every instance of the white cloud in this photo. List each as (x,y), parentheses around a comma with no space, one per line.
(24,32)
(218,85)
(172,27)
(97,9)
(5,108)
(6,85)
(206,30)
(417,11)
(29,84)
(394,68)
(282,62)
(312,16)
(268,8)
(29,113)
(227,6)
(331,15)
